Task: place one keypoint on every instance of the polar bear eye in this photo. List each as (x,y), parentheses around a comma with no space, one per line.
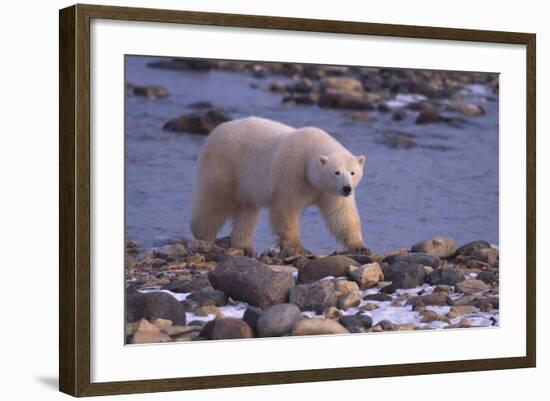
(352,173)
(337,172)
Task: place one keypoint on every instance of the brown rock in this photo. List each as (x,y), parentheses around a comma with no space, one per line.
(147,332)
(197,122)
(343,286)
(230,328)
(151,92)
(318,326)
(342,84)
(316,269)
(444,247)
(251,281)
(349,300)
(317,296)
(471,286)
(367,276)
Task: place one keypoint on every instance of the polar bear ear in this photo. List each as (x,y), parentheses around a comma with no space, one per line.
(323,160)
(361,159)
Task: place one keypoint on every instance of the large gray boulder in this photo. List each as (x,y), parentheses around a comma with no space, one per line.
(317,296)
(278,320)
(154,305)
(251,281)
(316,269)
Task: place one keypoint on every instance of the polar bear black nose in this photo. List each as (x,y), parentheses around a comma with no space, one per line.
(346,190)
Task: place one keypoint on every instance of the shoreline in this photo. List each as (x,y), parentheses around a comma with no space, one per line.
(189,290)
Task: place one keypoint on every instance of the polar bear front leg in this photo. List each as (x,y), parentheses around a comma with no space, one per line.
(285,220)
(244,221)
(343,221)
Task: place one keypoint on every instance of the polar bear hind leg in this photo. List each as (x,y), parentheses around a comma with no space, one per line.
(213,203)
(244,220)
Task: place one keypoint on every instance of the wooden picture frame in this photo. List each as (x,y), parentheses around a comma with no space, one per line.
(74,202)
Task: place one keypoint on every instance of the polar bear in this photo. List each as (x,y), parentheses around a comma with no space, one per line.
(253,163)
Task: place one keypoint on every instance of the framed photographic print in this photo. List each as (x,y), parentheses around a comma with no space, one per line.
(307,200)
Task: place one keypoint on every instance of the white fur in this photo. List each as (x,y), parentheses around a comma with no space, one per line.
(251,163)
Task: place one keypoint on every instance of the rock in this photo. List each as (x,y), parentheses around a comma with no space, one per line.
(206,296)
(429,316)
(173,331)
(201,246)
(206,331)
(277,86)
(467,109)
(318,326)
(150,92)
(349,300)
(208,266)
(316,269)
(197,122)
(386,325)
(251,316)
(465,300)
(228,328)
(207,310)
(367,276)
(170,252)
(154,305)
(155,263)
(443,288)
(360,258)
(399,115)
(428,116)
(234,252)
(446,276)
(434,299)
(251,281)
(343,286)
(278,320)
(487,255)
(444,247)
(333,313)
(471,286)
(301,98)
(344,100)
(149,333)
(487,277)
(283,268)
(182,64)
(130,328)
(463,309)
(398,141)
(405,275)
(162,323)
(185,286)
(470,247)
(356,323)
(342,84)
(424,259)
(204,104)
(378,297)
(317,296)
(493,301)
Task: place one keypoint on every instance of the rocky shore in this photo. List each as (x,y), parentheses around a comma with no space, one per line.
(184,290)
(422,96)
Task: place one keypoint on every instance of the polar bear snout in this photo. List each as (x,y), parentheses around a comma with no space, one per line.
(346,190)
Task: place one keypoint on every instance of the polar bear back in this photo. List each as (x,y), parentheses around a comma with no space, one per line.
(261,156)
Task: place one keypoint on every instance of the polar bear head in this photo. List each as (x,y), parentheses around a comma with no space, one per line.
(339,173)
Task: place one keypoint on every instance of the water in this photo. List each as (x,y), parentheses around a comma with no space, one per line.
(446,186)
